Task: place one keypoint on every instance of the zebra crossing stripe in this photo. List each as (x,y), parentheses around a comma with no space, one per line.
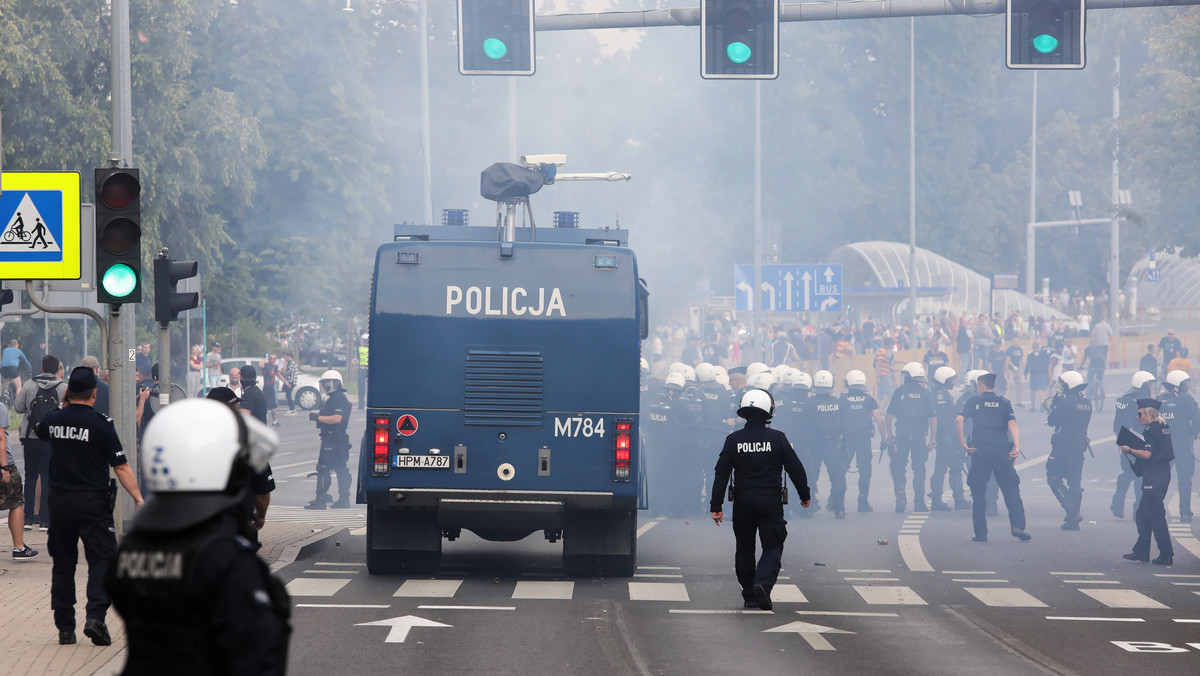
(1005,597)
(658,591)
(311,586)
(428,588)
(539,589)
(1122,598)
(889,595)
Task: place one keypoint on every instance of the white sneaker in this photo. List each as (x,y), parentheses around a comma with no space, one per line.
(43,528)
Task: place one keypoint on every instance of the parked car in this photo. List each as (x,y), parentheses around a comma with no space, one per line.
(307,395)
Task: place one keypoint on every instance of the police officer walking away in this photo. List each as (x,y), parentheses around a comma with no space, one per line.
(190,589)
(1153,465)
(755,455)
(83,446)
(335,443)
(911,407)
(1125,415)
(823,423)
(1180,412)
(992,453)
(948,459)
(860,418)
(1070,413)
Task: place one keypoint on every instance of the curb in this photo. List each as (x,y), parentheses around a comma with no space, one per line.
(305,548)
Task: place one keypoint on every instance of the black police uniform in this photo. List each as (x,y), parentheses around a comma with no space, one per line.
(912,407)
(823,424)
(84,444)
(755,456)
(948,458)
(993,492)
(661,437)
(858,428)
(1180,413)
(1069,415)
(1155,473)
(199,601)
(1125,415)
(989,414)
(791,419)
(688,470)
(335,448)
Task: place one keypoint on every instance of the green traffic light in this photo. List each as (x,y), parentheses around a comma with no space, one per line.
(119,281)
(738,52)
(494,49)
(1045,43)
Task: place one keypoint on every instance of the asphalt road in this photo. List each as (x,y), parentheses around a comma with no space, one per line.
(929,601)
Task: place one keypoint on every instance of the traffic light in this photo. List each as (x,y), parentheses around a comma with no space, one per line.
(168,302)
(1046,34)
(495,37)
(118,236)
(739,39)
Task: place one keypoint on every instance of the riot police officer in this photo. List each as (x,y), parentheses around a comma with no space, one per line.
(335,443)
(823,423)
(969,393)
(83,445)
(1153,466)
(663,454)
(1070,413)
(793,396)
(755,456)
(995,446)
(1180,413)
(948,458)
(190,589)
(911,409)
(860,418)
(1125,415)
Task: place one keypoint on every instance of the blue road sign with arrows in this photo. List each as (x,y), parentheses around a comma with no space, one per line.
(789,288)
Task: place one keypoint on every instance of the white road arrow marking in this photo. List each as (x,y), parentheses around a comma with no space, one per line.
(828,275)
(789,279)
(807,285)
(766,286)
(743,286)
(400,626)
(825,304)
(811,633)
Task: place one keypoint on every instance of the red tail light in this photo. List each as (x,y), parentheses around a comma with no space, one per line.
(624,442)
(382,432)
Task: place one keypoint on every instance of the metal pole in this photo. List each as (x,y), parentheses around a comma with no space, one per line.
(204,342)
(912,171)
(1030,238)
(1114,263)
(422,20)
(164,352)
(759,238)
(512,119)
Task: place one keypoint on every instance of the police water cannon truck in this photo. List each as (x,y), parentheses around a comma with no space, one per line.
(504,397)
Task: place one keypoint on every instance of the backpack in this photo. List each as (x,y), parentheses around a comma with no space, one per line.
(44,401)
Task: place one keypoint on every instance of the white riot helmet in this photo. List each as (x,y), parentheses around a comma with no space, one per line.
(762,380)
(779,370)
(721,371)
(676,367)
(1142,379)
(199,459)
(675,380)
(1177,380)
(1071,381)
(914,370)
(722,379)
(823,381)
(856,379)
(943,375)
(803,381)
(756,404)
(689,373)
(790,377)
(705,372)
(755,368)
(973,375)
(645,365)
(331,381)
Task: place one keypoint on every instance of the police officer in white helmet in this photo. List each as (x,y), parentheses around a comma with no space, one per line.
(755,456)
(335,443)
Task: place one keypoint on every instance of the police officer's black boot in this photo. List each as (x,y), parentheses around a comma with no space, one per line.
(316,504)
(901,501)
(863,505)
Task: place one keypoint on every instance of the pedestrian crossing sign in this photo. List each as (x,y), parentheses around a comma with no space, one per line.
(39,217)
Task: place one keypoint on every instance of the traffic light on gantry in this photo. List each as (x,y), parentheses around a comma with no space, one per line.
(1046,34)
(495,37)
(168,302)
(739,39)
(118,236)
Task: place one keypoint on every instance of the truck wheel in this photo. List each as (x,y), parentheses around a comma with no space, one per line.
(308,398)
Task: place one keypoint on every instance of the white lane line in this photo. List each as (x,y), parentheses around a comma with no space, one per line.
(658,591)
(1032,463)
(1005,597)
(968,572)
(838,613)
(331,572)
(538,589)
(692,611)
(338,605)
(788,593)
(872,579)
(310,463)
(1122,598)
(1176,575)
(866,570)
(423,607)
(1187,621)
(657,575)
(1091,581)
(428,588)
(1189,543)
(648,525)
(1097,619)
(331,563)
(910,552)
(311,586)
(1076,574)
(1186,584)
(975,579)
(882,595)
(658,568)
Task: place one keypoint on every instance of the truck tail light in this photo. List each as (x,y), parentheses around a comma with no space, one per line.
(382,431)
(624,439)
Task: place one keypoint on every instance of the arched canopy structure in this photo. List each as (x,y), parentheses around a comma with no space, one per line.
(876,280)
(1177,284)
